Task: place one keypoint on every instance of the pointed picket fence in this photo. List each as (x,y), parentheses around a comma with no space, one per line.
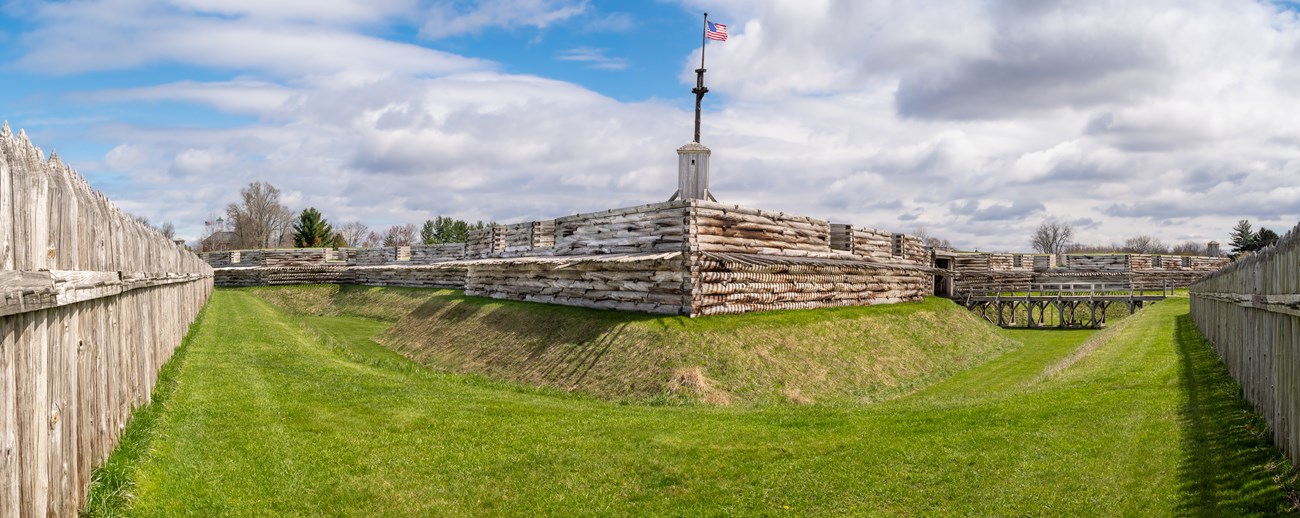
(1250,310)
(92,303)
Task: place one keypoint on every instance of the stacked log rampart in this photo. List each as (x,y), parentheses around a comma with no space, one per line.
(485,242)
(878,246)
(372,256)
(655,228)
(653,258)
(1250,311)
(294,257)
(92,303)
(646,282)
(716,227)
(1018,271)
(430,254)
(740,283)
(1097,263)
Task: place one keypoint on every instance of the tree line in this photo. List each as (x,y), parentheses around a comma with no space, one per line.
(259,220)
(1056,237)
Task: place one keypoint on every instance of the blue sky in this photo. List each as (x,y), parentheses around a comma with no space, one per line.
(973,120)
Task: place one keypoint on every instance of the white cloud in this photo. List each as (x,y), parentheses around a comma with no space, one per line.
(973,119)
(594,57)
(452,18)
(116,34)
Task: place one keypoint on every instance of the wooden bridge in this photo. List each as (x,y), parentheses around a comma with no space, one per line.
(1062,305)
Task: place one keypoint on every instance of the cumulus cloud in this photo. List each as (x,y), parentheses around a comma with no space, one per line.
(975,120)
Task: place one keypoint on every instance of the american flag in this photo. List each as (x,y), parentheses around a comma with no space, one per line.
(716,31)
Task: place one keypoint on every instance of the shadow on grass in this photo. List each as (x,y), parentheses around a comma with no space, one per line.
(1229,468)
(527,342)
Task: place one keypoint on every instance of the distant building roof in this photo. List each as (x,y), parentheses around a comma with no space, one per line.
(218,241)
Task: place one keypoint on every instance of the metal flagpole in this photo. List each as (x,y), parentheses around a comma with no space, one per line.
(699,89)
(704,41)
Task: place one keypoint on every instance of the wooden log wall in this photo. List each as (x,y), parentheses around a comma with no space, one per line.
(220,259)
(1012,262)
(971,263)
(429,254)
(372,256)
(1250,310)
(278,276)
(92,303)
(1011,280)
(543,236)
(486,242)
(872,244)
(735,283)
(647,282)
(442,275)
(1097,263)
(517,238)
(1176,263)
(600,260)
(1209,264)
(660,227)
(718,227)
(293,257)
(247,258)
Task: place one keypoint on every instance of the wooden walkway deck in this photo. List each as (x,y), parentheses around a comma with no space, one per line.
(1063,305)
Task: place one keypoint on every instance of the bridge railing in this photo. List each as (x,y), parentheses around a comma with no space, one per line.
(1064,289)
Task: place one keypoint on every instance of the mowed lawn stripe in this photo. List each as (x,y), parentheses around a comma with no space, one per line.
(281,415)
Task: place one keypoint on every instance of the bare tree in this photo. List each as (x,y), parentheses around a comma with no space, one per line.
(1189,248)
(1145,244)
(168,230)
(354,233)
(1053,236)
(401,235)
(930,240)
(373,239)
(260,221)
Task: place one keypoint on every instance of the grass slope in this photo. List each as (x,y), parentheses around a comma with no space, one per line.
(836,355)
(281,415)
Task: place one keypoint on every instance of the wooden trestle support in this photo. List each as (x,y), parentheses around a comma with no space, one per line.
(1058,306)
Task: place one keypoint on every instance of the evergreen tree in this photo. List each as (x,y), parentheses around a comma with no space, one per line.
(429,232)
(1264,238)
(449,230)
(1243,238)
(312,230)
(338,241)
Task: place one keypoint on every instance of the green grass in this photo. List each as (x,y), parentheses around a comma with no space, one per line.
(278,414)
(843,355)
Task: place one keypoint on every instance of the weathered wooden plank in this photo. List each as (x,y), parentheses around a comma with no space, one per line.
(9,464)
(6,210)
(56,414)
(33,402)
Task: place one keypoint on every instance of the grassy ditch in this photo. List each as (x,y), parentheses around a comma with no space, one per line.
(283,414)
(851,355)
